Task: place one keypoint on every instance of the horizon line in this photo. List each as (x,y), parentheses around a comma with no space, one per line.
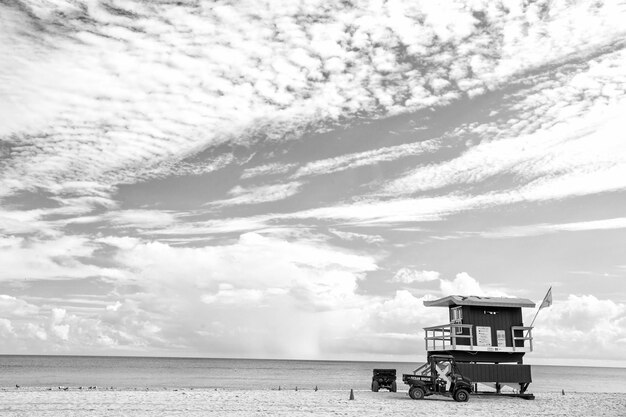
(260,359)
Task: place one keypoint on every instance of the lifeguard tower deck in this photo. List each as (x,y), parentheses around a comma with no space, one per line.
(487,338)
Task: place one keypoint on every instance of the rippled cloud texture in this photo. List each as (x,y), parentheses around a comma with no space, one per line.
(294,178)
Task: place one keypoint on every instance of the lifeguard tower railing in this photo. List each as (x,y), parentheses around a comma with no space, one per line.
(461,337)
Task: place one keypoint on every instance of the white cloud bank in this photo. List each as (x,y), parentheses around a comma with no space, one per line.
(306,303)
(582,326)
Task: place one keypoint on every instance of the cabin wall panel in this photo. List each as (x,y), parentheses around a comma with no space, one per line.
(480,372)
(503,319)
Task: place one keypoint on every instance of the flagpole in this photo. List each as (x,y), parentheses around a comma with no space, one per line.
(531,323)
(537,312)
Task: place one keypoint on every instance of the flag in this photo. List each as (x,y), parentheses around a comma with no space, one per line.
(547,300)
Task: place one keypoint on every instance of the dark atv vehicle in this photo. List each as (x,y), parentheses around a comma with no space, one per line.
(435,376)
(384,378)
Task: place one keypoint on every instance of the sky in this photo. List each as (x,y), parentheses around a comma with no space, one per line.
(293,179)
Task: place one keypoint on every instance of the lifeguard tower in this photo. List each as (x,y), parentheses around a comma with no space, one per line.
(487,338)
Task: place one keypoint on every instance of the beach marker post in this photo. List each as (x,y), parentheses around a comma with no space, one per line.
(351,394)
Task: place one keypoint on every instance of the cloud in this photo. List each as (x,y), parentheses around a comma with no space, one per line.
(541,229)
(14,307)
(57,328)
(351,236)
(364,212)
(35,331)
(464,284)
(261,194)
(26,221)
(191,228)
(370,211)
(305,283)
(175,290)
(386,327)
(123,243)
(124,329)
(405,309)
(301,263)
(557,138)
(228,294)
(93,91)
(6,328)
(267,169)
(355,160)
(595,326)
(410,276)
(63,257)
(142,219)
(584,156)
(190,299)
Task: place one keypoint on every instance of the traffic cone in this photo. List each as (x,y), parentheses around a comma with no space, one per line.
(351,394)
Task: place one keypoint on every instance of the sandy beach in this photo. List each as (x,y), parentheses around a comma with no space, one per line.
(106,402)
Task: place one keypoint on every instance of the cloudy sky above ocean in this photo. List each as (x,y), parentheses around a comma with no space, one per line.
(293,179)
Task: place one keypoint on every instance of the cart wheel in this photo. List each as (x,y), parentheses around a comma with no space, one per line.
(461,395)
(416,393)
(394,387)
(375,386)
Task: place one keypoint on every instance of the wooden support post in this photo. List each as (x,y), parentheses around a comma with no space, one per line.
(443,338)
(453,337)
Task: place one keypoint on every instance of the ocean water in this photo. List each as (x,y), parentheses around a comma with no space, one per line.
(186,373)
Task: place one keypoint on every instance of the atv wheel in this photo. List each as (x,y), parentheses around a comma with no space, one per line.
(416,393)
(461,395)
(394,387)
(375,386)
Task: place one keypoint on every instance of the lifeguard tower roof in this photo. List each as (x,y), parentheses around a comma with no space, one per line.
(473,300)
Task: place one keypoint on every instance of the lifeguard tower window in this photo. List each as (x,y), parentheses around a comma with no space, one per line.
(457,318)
